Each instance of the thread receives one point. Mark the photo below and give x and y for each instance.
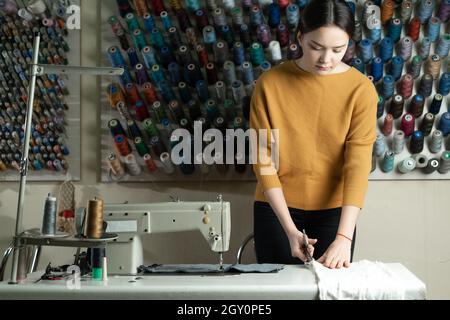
(366, 50)
(396, 106)
(396, 67)
(388, 162)
(132, 166)
(115, 165)
(414, 29)
(387, 11)
(434, 28)
(416, 106)
(115, 127)
(444, 124)
(426, 85)
(386, 49)
(167, 163)
(406, 45)
(407, 124)
(444, 10)
(357, 34)
(444, 166)
(443, 46)
(380, 107)
(398, 141)
(275, 51)
(407, 165)
(444, 84)
(49, 219)
(421, 160)
(427, 123)
(415, 66)
(436, 142)
(424, 48)
(388, 124)
(406, 86)
(202, 90)
(425, 10)
(151, 166)
(395, 29)
(432, 166)
(416, 143)
(94, 221)
(435, 106)
(379, 146)
(122, 145)
(433, 66)
(406, 10)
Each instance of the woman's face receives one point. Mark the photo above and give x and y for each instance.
(323, 49)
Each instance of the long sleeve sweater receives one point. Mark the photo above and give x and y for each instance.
(326, 130)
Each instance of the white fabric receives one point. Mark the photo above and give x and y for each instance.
(363, 280)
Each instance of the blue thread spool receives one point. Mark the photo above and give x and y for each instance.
(395, 30)
(184, 92)
(358, 64)
(166, 56)
(416, 144)
(377, 69)
(375, 35)
(115, 57)
(157, 39)
(149, 23)
(388, 162)
(302, 4)
(126, 76)
(238, 53)
(386, 49)
(132, 22)
(174, 73)
(139, 39)
(247, 73)
(396, 67)
(167, 23)
(443, 46)
(157, 74)
(425, 10)
(444, 84)
(387, 86)
(202, 90)
(132, 57)
(434, 29)
(227, 35)
(292, 15)
(133, 130)
(49, 220)
(166, 91)
(366, 50)
(115, 127)
(212, 111)
(444, 124)
(274, 15)
(149, 57)
(424, 48)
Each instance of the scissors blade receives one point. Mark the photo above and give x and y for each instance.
(305, 247)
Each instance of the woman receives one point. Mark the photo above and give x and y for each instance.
(325, 114)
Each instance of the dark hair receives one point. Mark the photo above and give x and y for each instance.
(321, 13)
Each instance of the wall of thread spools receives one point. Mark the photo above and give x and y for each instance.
(194, 60)
(56, 115)
(407, 59)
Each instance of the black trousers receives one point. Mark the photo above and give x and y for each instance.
(271, 242)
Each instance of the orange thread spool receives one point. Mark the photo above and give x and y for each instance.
(141, 7)
(149, 93)
(388, 124)
(175, 5)
(115, 94)
(387, 11)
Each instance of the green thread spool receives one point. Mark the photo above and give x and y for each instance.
(256, 54)
(156, 39)
(139, 39)
(97, 273)
(140, 146)
(388, 161)
(150, 127)
(159, 111)
(407, 165)
(131, 22)
(230, 113)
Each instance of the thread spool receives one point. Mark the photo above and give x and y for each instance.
(427, 124)
(167, 163)
(398, 141)
(396, 106)
(49, 220)
(407, 124)
(444, 166)
(444, 124)
(132, 166)
(94, 221)
(388, 162)
(115, 165)
(421, 160)
(432, 166)
(97, 255)
(417, 140)
(407, 165)
(380, 146)
(388, 124)
(151, 166)
(436, 142)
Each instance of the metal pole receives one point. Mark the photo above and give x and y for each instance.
(24, 160)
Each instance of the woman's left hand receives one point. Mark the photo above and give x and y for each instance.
(337, 254)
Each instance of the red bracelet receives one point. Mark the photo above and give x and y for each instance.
(340, 234)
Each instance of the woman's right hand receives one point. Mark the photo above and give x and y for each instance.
(296, 242)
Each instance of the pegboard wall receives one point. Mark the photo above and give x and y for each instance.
(198, 60)
(54, 153)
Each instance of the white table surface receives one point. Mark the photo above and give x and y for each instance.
(293, 282)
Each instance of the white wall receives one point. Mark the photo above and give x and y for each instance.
(403, 221)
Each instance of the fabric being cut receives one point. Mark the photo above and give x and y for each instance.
(363, 280)
(211, 268)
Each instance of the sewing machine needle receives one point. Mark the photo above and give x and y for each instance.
(220, 261)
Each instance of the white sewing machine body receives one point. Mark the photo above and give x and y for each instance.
(131, 221)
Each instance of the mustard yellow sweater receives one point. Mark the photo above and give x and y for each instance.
(326, 129)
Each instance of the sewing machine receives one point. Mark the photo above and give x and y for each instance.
(131, 221)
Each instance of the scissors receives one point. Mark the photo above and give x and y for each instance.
(305, 245)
